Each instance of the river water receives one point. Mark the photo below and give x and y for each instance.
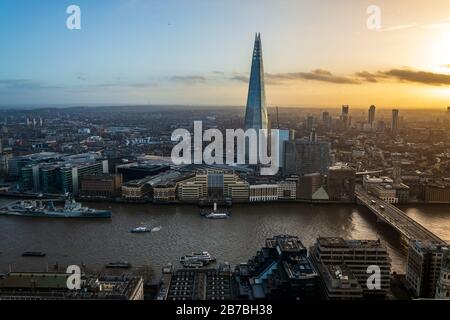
(97, 242)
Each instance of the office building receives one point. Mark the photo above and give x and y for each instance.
(371, 118)
(61, 176)
(436, 191)
(309, 123)
(306, 156)
(213, 185)
(345, 119)
(53, 286)
(326, 120)
(72, 173)
(423, 267)
(136, 170)
(164, 185)
(341, 183)
(16, 164)
(101, 185)
(197, 284)
(308, 185)
(256, 113)
(338, 282)
(284, 135)
(137, 190)
(358, 256)
(394, 124)
(443, 285)
(263, 192)
(287, 189)
(280, 270)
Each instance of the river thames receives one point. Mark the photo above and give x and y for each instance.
(234, 240)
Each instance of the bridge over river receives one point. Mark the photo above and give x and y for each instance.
(399, 220)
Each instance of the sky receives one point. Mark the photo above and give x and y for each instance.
(198, 52)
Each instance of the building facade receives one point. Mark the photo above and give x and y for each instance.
(341, 183)
(256, 113)
(263, 192)
(306, 157)
(423, 267)
(103, 185)
(358, 256)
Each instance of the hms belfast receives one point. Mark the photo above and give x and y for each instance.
(41, 208)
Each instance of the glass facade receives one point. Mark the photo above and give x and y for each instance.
(256, 112)
(215, 186)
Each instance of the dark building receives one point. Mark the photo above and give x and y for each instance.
(437, 191)
(280, 270)
(196, 284)
(306, 156)
(103, 185)
(358, 256)
(308, 185)
(394, 124)
(341, 183)
(137, 171)
(345, 120)
(326, 120)
(53, 286)
(423, 267)
(371, 118)
(338, 282)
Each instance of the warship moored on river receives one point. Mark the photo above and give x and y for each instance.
(42, 208)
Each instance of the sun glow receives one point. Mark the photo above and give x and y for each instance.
(440, 52)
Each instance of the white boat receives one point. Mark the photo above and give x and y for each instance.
(217, 215)
(197, 258)
(214, 214)
(156, 229)
(141, 229)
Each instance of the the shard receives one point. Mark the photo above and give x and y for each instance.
(256, 112)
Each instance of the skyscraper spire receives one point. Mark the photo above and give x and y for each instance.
(256, 112)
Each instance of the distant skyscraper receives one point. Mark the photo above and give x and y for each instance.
(344, 117)
(372, 114)
(395, 121)
(325, 117)
(309, 123)
(283, 135)
(256, 112)
(306, 156)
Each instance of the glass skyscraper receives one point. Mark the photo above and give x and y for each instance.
(256, 112)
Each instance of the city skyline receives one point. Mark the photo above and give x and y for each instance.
(314, 57)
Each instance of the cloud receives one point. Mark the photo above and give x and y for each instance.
(24, 84)
(367, 76)
(315, 75)
(406, 75)
(399, 27)
(126, 84)
(188, 79)
(418, 76)
(240, 78)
